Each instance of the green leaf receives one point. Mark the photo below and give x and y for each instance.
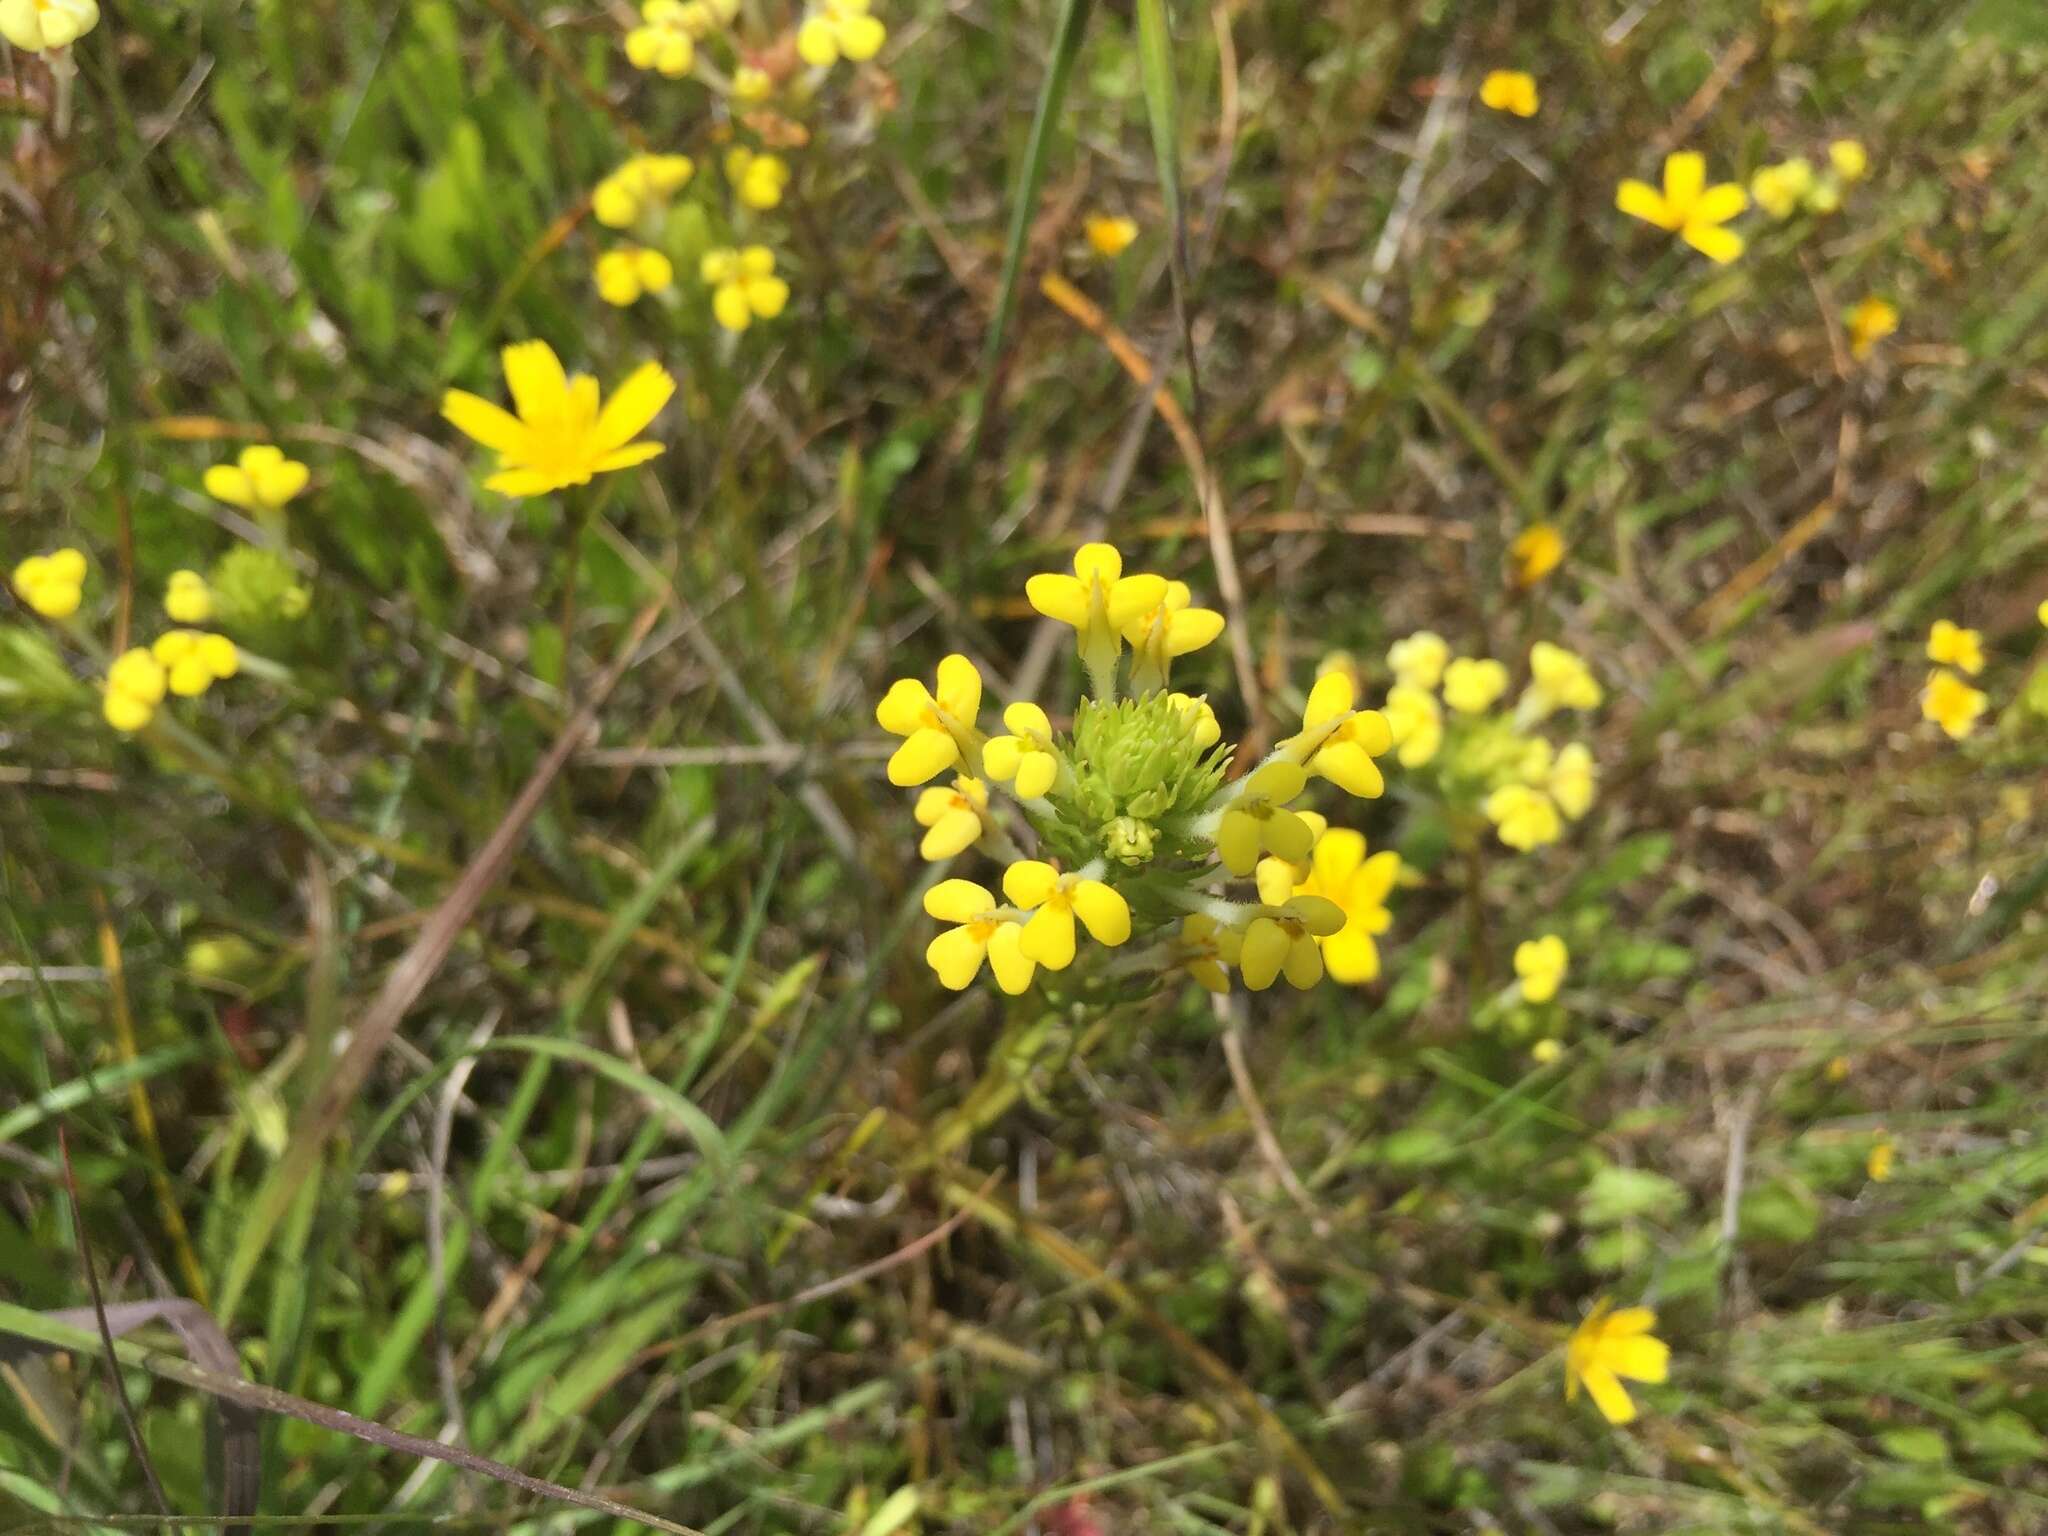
(1615, 1195)
(1916, 1443)
(1162, 112)
(1781, 1211)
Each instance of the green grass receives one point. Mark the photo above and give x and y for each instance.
(685, 1068)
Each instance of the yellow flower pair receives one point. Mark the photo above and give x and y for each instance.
(1036, 929)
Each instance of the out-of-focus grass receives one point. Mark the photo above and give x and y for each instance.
(1800, 922)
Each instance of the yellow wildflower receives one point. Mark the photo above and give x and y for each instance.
(261, 480)
(666, 40)
(193, 662)
(1870, 322)
(1509, 90)
(1571, 780)
(1199, 951)
(135, 686)
(1688, 207)
(1544, 1052)
(744, 285)
(1878, 1165)
(1167, 629)
(1416, 722)
(1558, 679)
(1611, 1345)
(1536, 551)
(757, 178)
(952, 817)
(1849, 158)
(986, 931)
(1780, 189)
(839, 29)
(1024, 758)
(1258, 820)
(1281, 939)
(1952, 704)
(1472, 685)
(1110, 234)
(1950, 645)
(187, 598)
(560, 437)
(1100, 602)
(36, 25)
(1525, 818)
(1054, 900)
(1206, 731)
(626, 272)
(53, 584)
(937, 729)
(1340, 871)
(2041, 613)
(1540, 966)
(638, 185)
(751, 84)
(1339, 742)
(1419, 660)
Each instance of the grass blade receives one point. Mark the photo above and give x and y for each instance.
(1162, 112)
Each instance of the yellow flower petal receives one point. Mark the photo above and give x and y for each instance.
(473, 416)
(633, 405)
(958, 901)
(1640, 200)
(540, 389)
(1713, 242)
(1058, 597)
(1685, 175)
(1006, 958)
(905, 708)
(1608, 1395)
(1103, 911)
(956, 956)
(1036, 775)
(1028, 882)
(925, 754)
(1049, 937)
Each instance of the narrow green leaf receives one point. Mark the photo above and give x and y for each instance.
(1162, 111)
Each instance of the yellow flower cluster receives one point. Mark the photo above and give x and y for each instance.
(1947, 700)
(53, 584)
(1789, 186)
(1125, 825)
(669, 31)
(839, 29)
(262, 480)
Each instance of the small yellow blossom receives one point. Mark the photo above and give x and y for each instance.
(1024, 758)
(1837, 1069)
(1339, 742)
(1054, 900)
(1849, 158)
(261, 480)
(1340, 871)
(53, 584)
(1419, 660)
(1878, 1165)
(36, 25)
(187, 598)
(1471, 685)
(744, 287)
(1110, 235)
(1206, 731)
(1416, 722)
(1952, 704)
(1870, 322)
(1950, 645)
(1780, 189)
(757, 179)
(1525, 817)
(1536, 551)
(1540, 966)
(1199, 951)
(135, 686)
(626, 272)
(1167, 629)
(561, 436)
(1283, 937)
(752, 84)
(1258, 820)
(666, 40)
(1688, 207)
(1558, 679)
(1609, 1346)
(1544, 1052)
(2041, 613)
(1572, 779)
(839, 29)
(986, 931)
(193, 662)
(1509, 90)
(1099, 602)
(937, 728)
(639, 185)
(952, 817)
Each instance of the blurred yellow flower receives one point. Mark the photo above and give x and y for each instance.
(1199, 951)
(1024, 758)
(937, 728)
(193, 661)
(744, 287)
(665, 42)
(1339, 742)
(1509, 90)
(1526, 818)
(1878, 1165)
(1258, 820)
(1415, 721)
(1110, 234)
(757, 178)
(261, 480)
(1540, 966)
(1950, 645)
(1952, 704)
(1282, 939)
(1472, 685)
(985, 932)
(952, 817)
(1340, 872)
(1688, 207)
(1558, 679)
(53, 584)
(135, 686)
(1571, 780)
(1419, 660)
(626, 272)
(751, 84)
(560, 436)
(1169, 628)
(1869, 323)
(36, 25)
(1609, 1346)
(1780, 189)
(1544, 1052)
(1054, 900)
(1849, 158)
(839, 29)
(637, 186)
(1536, 552)
(187, 599)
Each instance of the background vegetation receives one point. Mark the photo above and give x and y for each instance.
(600, 1209)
